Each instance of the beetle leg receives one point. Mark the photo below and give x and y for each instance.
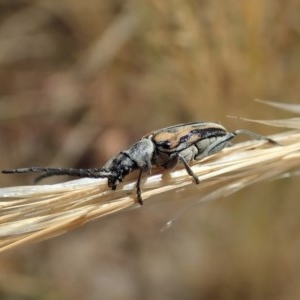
(189, 170)
(254, 135)
(216, 146)
(224, 141)
(138, 187)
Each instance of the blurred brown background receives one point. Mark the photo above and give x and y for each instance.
(81, 80)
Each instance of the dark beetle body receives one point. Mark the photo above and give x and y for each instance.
(162, 148)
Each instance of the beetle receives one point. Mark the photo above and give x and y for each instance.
(164, 147)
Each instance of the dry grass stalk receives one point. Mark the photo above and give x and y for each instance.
(34, 213)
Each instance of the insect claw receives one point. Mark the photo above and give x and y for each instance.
(197, 180)
(139, 197)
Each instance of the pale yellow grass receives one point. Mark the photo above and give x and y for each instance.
(34, 213)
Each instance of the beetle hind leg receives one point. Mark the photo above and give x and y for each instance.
(217, 145)
(224, 141)
(254, 135)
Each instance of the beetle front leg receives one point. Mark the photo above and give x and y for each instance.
(138, 188)
(146, 168)
(143, 167)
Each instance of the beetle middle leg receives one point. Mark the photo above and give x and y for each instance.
(188, 169)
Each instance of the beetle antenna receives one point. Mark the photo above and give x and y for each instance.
(47, 172)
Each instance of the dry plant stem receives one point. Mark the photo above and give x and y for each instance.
(33, 213)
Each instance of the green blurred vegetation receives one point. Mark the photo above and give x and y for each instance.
(81, 80)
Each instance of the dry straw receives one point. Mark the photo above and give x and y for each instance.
(35, 213)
